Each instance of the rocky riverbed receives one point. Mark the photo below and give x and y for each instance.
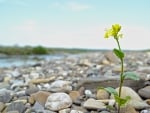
(71, 84)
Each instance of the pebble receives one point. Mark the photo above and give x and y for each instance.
(40, 97)
(58, 101)
(70, 84)
(135, 100)
(60, 86)
(102, 94)
(93, 104)
(16, 106)
(145, 92)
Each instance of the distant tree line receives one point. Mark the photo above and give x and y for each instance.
(15, 50)
(29, 50)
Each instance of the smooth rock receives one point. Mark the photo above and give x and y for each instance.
(60, 86)
(1, 78)
(2, 106)
(34, 75)
(74, 95)
(144, 69)
(5, 97)
(111, 57)
(20, 93)
(128, 109)
(135, 100)
(24, 101)
(145, 111)
(145, 92)
(37, 106)
(40, 96)
(7, 79)
(65, 111)
(104, 112)
(17, 83)
(42, 80)
(93, 104)
(75, 111)
(88, 93)
(4, 85)
(78, 108)
(16, 106)
(13, 112)
(58, 101)
(147, 77)
(105, 62)
(15, 73)
(93, 83)
(117, 69)
(102, 94)
(31, 90)
(85, 62)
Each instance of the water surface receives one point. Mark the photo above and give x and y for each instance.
(20, 60)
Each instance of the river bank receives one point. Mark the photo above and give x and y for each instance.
(70, 84)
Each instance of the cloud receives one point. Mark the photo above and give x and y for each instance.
(73, 6)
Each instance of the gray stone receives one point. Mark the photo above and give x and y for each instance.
(93, 83)
(144, 69)
(4, 85)
(16, 106)
(93, 104)
(37, 106)
(15, 73)
(5, 97)
(58, 101)
(1, 78)
(20, 93)
(60, 86)
(12, 112)
(88, 93)
(145, 111)
(31, 90)
(111, 57)
(145, 92)
(135, 100)
(17, 83)
(104, 112)
(76, 111)
(65, 110)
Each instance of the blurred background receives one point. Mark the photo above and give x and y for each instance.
(33, 27)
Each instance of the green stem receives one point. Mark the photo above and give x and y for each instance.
(121, 74)
(118, 43)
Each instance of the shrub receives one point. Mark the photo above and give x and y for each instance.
(39, 50)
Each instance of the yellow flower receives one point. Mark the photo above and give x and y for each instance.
(116, 28)
(113, 32)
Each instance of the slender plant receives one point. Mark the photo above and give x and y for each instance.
(114, 32)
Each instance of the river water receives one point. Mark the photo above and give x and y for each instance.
(9, 61)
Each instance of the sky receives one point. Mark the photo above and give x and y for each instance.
(74, 23)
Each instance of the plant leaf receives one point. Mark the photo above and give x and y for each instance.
(111, 90)
(122, 101)
(131, 75)
(118, 53)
